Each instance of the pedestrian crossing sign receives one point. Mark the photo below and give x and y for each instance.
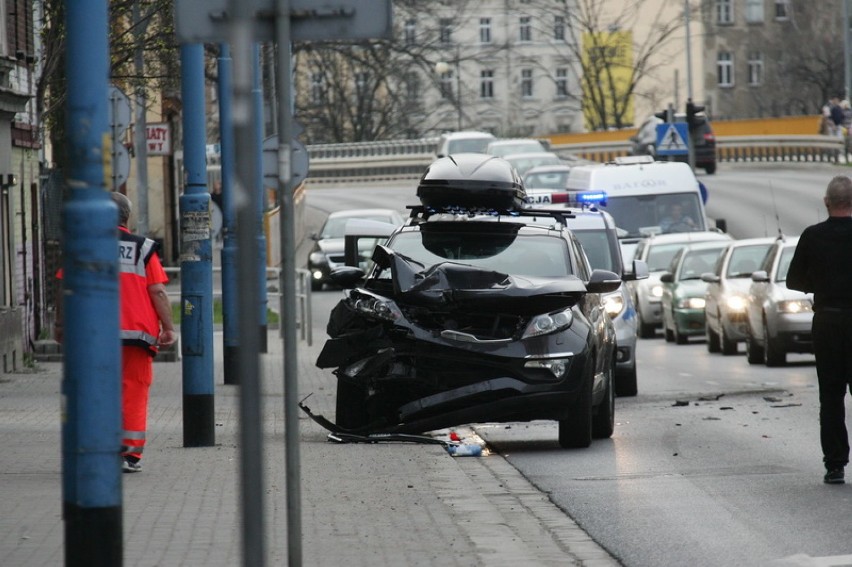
(672, 139)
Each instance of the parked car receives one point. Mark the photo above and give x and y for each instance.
(727, 293)
(327, 252)
(526, 161)
(702, 138)
(779, 318)
(598, 234)
(658, 251)
(683, 290)
(463, 142)
(467, 318)
(506, 146)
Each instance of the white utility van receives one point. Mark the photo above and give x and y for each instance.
(644, 196)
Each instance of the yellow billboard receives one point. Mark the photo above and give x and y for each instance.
(608, 79)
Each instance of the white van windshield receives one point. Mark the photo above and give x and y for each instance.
(644, 215)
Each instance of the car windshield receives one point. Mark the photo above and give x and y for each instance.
(524, 255)
(642, 215)
(596, 245)
(527, 163)
(660, 256)
(546, 180)
(784, 263)
(516, 148)
(335, 227)
(697, 262)
(475, 145)
(746, 259)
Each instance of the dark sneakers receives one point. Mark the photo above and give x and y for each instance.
(131, 465)
(834, 476)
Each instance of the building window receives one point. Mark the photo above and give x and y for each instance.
(446, 85)
(412, 87)
(525, 29)
(410, 32)
(361, 80)
(526, 83)
(484, 30)
(561, 82)
(724, 12)
(317, 88)
(559, 28)
(725, 69)
(755, 68)
(782, 9)
(486, 84)
(754, 11)
(446, 30)
(7, 252)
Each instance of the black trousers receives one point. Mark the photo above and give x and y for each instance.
(832, 335)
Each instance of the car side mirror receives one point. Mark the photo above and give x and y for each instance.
(315, 236)
(710, 277)
(640, 271)
(346, 277)
(721, 225)
(760, 276)
(667, 277)
(603, 281)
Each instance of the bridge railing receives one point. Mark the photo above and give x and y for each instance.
(407, 159)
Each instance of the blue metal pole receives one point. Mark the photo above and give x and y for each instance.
(230, 327)
(196, 260)
(257, 101)
(91, 383)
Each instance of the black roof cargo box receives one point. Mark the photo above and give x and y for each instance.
(471, 181)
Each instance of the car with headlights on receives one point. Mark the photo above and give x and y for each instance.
(657, 251)
(327, 251)
(683, 290)
(779, 318)
(475, 310)
(727, 293)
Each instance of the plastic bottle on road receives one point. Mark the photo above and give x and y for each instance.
(464, 450)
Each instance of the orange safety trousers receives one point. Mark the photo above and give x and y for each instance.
(136, 376)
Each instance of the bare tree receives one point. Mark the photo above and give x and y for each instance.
(610, 58)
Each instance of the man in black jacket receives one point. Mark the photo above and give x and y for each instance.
(822, 264)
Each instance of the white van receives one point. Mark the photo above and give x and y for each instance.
(644, 196)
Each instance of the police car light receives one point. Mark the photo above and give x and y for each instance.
(559, 197)
(595, 197)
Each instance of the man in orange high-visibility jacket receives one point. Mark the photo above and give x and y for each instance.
(146, 324)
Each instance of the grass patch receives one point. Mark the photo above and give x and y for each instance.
(218, 318)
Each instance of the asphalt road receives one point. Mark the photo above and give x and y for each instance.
(715, 462)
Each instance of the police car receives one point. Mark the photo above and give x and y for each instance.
(475, 310)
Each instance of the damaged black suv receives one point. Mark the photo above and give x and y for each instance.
(476, 310)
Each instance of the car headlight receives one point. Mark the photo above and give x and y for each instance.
(548, 323)
(614, 304)
(691, 303)
(736, 303)
(657, 291)
(795, 306)
(317, 258)
(373, 306)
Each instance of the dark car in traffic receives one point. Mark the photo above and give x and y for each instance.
(475, 310)
(701, 136)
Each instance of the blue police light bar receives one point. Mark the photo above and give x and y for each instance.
(592, 197)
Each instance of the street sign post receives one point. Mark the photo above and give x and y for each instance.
(672, 139)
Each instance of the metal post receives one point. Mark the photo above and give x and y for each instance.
(257, 97)
(196, 260)
(847, 45)
(91, 382)
(288, 288)
(458, 86)
(251, 430)
(689, 141)
(670, 118)
(230, 334)
(140, 136)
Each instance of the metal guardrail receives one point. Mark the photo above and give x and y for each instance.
(406, 159)
(303, 298)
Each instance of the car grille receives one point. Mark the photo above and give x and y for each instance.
(336, 258)
(484, 326)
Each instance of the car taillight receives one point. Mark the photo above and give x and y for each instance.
(709, 138)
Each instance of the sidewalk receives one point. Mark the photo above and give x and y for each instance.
(362, 504)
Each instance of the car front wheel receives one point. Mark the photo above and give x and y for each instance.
(712, 339)
(773, 354)
(575, 432)
(351, 407)
(603, 423)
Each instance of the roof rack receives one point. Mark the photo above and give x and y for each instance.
(422, 213)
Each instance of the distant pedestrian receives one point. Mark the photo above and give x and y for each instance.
(836, 116)
(145, 323)
(822, 265)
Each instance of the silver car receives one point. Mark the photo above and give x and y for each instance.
(726, 297)
(779, 319)
(657, 252)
